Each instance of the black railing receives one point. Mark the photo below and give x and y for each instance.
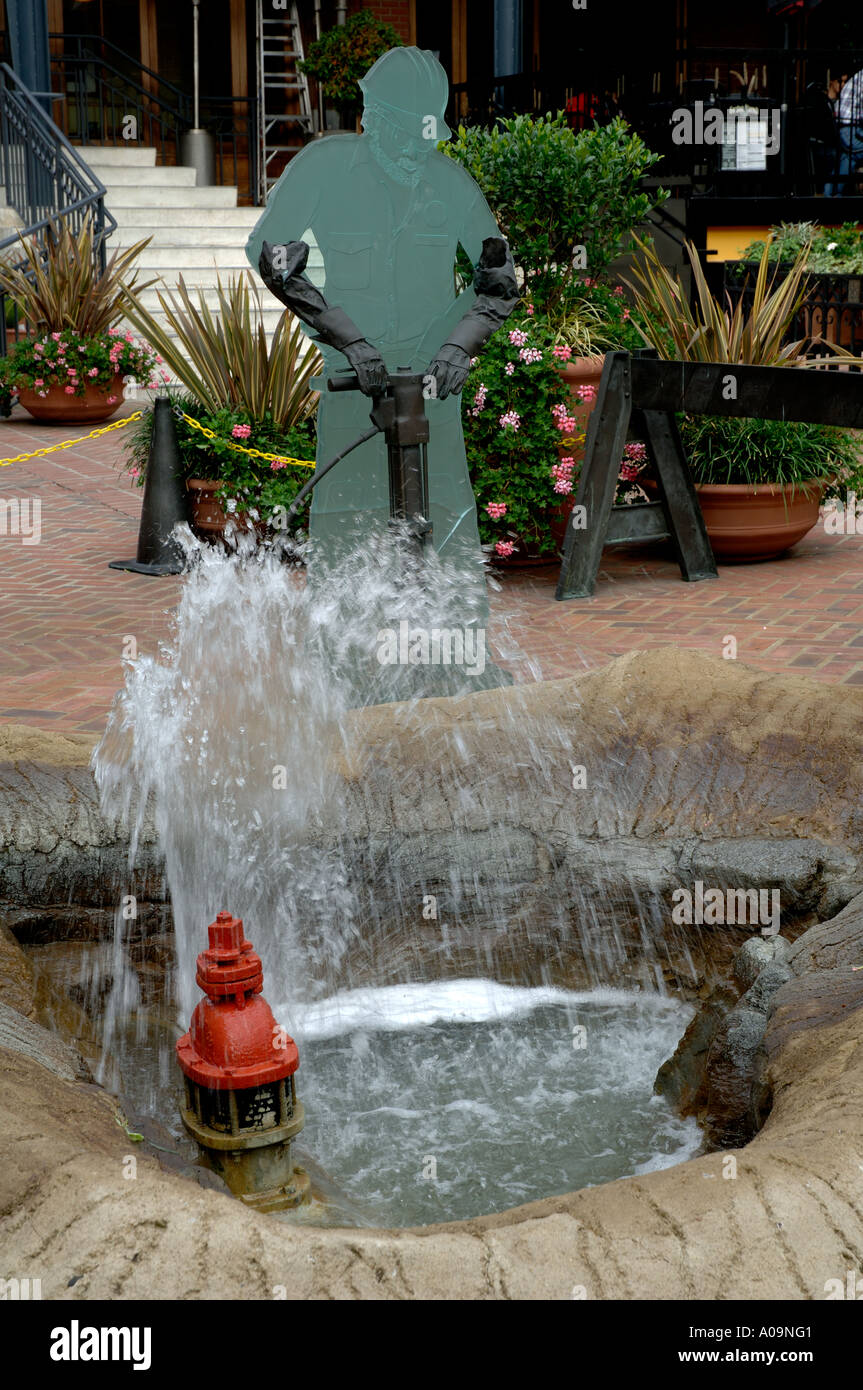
(45, 181)
(110, 98)
(832, 310)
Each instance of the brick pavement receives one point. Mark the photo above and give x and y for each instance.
(64, 614)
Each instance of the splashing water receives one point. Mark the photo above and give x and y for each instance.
(231, 739)
(230, 747)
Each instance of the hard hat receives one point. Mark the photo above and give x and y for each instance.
(408, 85)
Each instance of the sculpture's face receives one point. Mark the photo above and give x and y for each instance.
(400, 155)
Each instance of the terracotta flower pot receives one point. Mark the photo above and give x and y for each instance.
(748, 522)
(209, 517)
(582, 371)
(90, 408)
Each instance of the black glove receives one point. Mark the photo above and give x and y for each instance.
(370, 367)
(496, 296)
(450, 370)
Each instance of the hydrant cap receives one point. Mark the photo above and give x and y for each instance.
(230, 966)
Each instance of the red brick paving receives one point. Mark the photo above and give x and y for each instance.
(64, 614)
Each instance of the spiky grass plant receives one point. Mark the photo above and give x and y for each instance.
(57, 284)
(223, 358)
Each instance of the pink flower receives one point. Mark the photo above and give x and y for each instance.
(94, 371)
(618, 290)
(510, 420)
(518, 337)
(496, 510)
(637, 452)
(82, 348)
(509, 368)
(530, 310)
(587, 394)
(563, 352)
(70, 390)
(111, 399)
(629, 472)
(165, 376)
(505, 548)
(479, 398)
(278, 463)
(530, 355)
(625, 315)
(567, 462)
(135, 472)
(564, 422)
(563, 485)
(241, 431)
(71, 371)
(56, 337)
(159, 359)
(37, 381)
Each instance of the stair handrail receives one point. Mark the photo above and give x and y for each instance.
(45, 177)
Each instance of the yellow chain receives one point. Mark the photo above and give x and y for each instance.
(254, 453)
(68, 443)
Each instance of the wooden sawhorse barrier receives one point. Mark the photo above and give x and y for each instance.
(642, 394)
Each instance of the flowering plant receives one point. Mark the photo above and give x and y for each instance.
(248, 483)
(73, 362)
(517, 424)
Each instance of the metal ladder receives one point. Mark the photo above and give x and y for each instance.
(285, 119)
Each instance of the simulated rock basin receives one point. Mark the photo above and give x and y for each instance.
(698, 769)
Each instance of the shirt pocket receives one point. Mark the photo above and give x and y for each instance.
(348, 260)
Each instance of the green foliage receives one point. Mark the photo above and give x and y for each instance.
(831, 250)
(341, 56)
(753, 334)
(68, 360)
(250, 482)
(552, 190)
(59, 286)
(723, 449)
(512, 466)
(224, 359)
(598, 319)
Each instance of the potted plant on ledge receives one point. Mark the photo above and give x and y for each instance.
(73, 366)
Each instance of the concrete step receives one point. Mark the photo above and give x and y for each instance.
(201, 235)
(157, 176)
(125, 155)
(204, 219)
(119, 198)
(204, 258)
(149, 300)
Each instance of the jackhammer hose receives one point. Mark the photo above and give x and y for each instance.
(321, 472)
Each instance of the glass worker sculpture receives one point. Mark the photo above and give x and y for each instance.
(388, 211)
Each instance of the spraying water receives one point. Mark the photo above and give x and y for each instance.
(234, 739)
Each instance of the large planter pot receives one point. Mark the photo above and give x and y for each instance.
(208, 517)
(582, 371)
(746, 522)
(90, 408)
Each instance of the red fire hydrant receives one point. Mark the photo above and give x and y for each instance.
(238, 1064)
